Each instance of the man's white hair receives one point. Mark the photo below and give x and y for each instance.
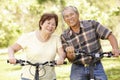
(70, 7)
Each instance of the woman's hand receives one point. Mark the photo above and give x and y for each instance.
(11, 51)
(12, 60)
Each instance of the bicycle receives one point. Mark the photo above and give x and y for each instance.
(90, 60)
(38, 66)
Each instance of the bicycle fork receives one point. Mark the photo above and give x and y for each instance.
(36, 72)
(92, 77)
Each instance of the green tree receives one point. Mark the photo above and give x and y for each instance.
(21, 16)
(16, 17)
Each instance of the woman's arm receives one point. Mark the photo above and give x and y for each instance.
(11, 51)
(61, 55)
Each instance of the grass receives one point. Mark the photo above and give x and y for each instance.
(112, 68)
(11, 72)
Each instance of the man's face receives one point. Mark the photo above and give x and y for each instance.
(71, 17)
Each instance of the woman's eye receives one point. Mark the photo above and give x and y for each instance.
(53, 24)
(48, 23)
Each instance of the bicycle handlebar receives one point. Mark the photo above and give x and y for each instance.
(24, 62)
(37, 65)
(95, 55)
(104, 54)
(86, 58)
(107, 54)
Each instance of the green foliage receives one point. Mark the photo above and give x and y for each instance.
(36, 9)
(16, 17)
(116, 12)
(8, 34)
(19, 16)
(41, 1)
(112, 68)
(44, 1)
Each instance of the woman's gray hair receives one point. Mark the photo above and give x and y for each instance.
(70, 7)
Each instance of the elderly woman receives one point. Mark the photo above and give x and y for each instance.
(40, 46)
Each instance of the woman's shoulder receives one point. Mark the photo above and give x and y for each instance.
(28, 35)
(55, 36)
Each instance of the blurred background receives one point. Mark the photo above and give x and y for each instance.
(22, 16)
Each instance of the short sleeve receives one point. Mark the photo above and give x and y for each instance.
(59, 44)
(101, 30)
(22, 40)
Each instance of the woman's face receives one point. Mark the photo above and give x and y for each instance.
(49, 26)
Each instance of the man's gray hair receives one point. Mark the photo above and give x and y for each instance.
(71, 7)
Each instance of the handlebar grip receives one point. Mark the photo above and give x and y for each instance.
(108, 54)
(7, 61)
(17, 61)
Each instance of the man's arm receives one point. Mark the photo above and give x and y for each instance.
(114, 44)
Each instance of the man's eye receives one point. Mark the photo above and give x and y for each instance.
(66, 16)
(71, 14)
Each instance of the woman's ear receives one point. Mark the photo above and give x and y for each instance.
(40, 24)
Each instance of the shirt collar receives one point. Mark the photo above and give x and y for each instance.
(70, 30)
(81, 24)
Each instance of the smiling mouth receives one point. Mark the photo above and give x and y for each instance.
(50, 30)
(71, 21)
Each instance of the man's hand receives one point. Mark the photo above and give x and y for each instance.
(70, 53)
(116, 52)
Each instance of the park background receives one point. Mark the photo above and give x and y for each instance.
(21, 16)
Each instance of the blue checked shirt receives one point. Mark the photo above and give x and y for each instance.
(88, 39)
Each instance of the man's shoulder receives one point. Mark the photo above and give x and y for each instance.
(87, 21)
(66, 31)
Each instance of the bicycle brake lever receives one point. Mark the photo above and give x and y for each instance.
(108, 54)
